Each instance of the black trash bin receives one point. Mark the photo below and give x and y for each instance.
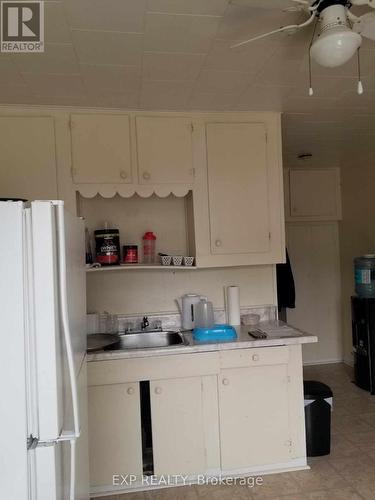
(318, 404)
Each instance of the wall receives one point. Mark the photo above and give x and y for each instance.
(357, 229)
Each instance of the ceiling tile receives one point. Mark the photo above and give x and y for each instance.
(162, 66)
(179, 33)
(210, 81)
(207, 7)
(282, 72)
(57, 58)
(114, 99)
(218, 101)
(250, 58)
(8, 70)
(57, 29)
(54, 85)
(119, 78)
(112, 15)
(267, 98)
(167, 95)
(99, 47)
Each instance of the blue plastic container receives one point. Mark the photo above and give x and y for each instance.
(216, 334)
(364, 271)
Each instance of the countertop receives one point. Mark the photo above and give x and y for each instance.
(278, 333)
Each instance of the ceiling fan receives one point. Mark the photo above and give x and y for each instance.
(340, 31)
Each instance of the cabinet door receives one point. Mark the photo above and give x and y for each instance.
(238, 188)
(28, 161)
(179, 416)
(115, 443)
(101, 149)
(315, 194)
(254, 416)
(164, 149)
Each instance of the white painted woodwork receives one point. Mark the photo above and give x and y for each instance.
(315, 259)
(164, 150)
(115, 441)
(238, 194)
(28, 157)
(101, 151)
(238, 188)
(178, 426)
(314, 194)
(254, 416)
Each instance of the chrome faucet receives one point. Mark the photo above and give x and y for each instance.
(145, 323)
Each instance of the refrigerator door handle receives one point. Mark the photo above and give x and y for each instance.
(34, 442)
(68, 341)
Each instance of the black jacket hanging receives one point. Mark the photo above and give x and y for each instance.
(286, 293)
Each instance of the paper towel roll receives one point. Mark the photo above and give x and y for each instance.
(233, 305)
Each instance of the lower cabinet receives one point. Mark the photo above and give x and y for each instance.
(254, 416)
(238, 410)
(115, 438)
(182, 410)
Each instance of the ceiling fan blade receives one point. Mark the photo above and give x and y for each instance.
(269, 4)
(365, 25)
(292, 28)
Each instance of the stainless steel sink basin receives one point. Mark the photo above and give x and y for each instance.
(147, 340)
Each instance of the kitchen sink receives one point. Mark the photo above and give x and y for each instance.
(147, 340)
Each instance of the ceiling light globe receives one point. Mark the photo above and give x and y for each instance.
(335, 47)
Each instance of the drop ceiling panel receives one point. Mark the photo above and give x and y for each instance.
(105, 47)
(206, 7)
(105, 77)
(58, 58)
(169, 66)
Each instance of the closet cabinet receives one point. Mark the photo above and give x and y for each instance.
(240, 193)
(101, 149)
(313, 194)
(164, 150)
(28, 157)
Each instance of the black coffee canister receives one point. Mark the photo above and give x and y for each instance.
(107, 245)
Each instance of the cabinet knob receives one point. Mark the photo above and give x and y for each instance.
(158, 390)
(225, 381)
(255, 357)
(123, 174)
(218, 243)
(130, 391)
(146, 176)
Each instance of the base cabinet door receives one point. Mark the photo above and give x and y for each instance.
(180, 430)
(115, 442)
(253, 412)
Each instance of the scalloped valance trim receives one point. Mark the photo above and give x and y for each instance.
(109, 191)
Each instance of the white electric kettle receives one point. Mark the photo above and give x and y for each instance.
(186, 308)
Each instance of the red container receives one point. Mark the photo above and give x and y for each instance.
(107, 245)
(130, 254)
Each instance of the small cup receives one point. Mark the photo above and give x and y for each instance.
(166, 260)
(188, 261)
(177, 260)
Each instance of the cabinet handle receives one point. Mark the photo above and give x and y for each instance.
(123, 174)
(218, 243)
(225, 381)
(130, 391)
(158, 390)
(255, 357)
(146, 176)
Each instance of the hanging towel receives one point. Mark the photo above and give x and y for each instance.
(286, 293)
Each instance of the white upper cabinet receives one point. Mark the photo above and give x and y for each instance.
(237, 187)
(243, 194)
(164, 150)
(28, 157)
(313, 194)
(101, 151)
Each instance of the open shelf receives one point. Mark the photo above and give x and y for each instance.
(128, 267)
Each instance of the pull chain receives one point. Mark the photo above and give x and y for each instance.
(359, 85)
(311, 90)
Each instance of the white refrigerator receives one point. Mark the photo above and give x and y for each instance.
(43, 398)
